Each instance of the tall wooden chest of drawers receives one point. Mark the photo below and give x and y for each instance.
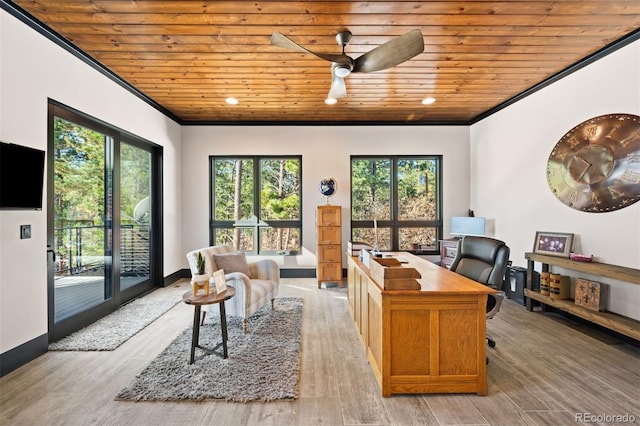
(329, 244)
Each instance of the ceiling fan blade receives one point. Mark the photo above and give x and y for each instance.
(338, 87)
(391, 53)
(277, 39)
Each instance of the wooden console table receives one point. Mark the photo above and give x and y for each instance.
(618, 323)
(430, 340)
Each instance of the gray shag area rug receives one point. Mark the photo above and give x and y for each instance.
(263, 365)
(109, 332)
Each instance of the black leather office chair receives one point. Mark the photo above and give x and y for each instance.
(484, 260)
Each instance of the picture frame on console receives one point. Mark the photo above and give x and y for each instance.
(553, 243)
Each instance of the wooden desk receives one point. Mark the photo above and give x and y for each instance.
(209, 299)
(430, 340)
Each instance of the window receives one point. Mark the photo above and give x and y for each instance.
(396, 202)
(257, 203)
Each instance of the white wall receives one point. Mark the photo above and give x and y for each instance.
(326, 152)
(32, 69)
(509, 152)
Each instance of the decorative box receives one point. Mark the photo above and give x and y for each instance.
(544, 283)
(589, 294)
(559, 286)
(389, 273)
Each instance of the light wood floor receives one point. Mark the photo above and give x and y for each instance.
(545, 370)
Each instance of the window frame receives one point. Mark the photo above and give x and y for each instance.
(394, 224)
(257, 208)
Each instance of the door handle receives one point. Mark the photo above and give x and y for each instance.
(53, 252)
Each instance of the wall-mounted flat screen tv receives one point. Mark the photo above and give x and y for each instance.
(463, 225)
(21, 177)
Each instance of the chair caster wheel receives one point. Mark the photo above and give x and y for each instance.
(492, 344)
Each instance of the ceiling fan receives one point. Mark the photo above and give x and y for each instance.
(387, 55)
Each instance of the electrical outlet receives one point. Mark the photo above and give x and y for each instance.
(25, 232)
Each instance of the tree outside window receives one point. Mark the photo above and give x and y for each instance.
(256, 203)
(395, 202)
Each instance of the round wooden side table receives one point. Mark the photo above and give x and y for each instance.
(198, 302)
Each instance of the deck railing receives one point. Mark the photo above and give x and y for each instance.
(82, 250)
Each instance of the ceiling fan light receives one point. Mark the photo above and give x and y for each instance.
(428, 101)
(331, 101)
(342, 70)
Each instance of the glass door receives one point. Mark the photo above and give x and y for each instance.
(103, 244)
(136, 214)
(82, 231)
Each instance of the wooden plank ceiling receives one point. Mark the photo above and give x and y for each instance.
(189, 56)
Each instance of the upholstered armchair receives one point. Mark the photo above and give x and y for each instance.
(256, 283)
(484, 260)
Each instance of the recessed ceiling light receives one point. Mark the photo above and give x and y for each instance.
(231, 101)
(428, 101)
(330, 101)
